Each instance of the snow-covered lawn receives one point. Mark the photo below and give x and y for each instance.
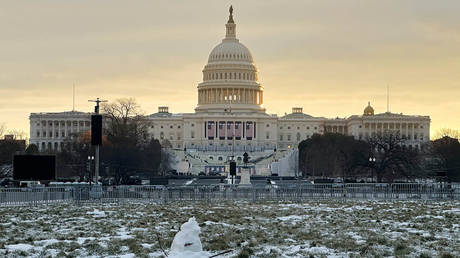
(272, 229)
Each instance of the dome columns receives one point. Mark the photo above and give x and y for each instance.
(230, 95)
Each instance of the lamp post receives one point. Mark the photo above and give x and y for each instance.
(372, 165)
(89, 168)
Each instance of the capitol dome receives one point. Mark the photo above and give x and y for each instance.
(230, 78)
(230, 50)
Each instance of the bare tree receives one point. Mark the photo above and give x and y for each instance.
(393, 159)
(125, 120)
(17, 134)
(449, 132)
(121, 110)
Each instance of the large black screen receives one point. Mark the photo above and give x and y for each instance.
(34, 167)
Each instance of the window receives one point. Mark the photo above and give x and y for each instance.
(289, 127)
(56, 134)
(63, 134)
(178, 126)
(192, 134)
(268, 125)
(289, 137)
(298, 136)
(298, 128)
(281, 137)
(193, 125)
(308, 127)
(267, 136)
(161, 127)
(171, 127)
(315, 127)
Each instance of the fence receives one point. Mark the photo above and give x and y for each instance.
(294, 192)
(35, 195)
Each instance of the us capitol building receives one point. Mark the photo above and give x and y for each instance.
(230, 119)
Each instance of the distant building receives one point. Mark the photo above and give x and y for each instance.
(230, 117)
(49, 130)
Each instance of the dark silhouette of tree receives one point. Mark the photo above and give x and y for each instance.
(332, 155)
(131, 151)
(393, 159)
(447, 149)
(32, 149)
(8, 147)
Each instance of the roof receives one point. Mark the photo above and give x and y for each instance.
(297, 116)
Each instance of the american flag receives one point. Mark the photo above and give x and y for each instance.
(238, 131)
(211, 129)
(222, 130)
(230, 130)
(249, 130)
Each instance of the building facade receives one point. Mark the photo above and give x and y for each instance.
(49, 130)
(230, 118)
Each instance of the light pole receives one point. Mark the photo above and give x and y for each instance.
(98, 142)
(372, 165)
(89, 168)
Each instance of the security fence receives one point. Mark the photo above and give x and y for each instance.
(35, 195)
(294, 192)
(291, 192)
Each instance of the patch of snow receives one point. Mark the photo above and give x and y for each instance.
(96, 213)
(19, 247)
(291, 217)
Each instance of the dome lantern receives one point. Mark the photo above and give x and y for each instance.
(231, 26)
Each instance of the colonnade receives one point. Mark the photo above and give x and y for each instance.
(230, 95)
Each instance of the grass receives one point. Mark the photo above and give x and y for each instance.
(266, 229)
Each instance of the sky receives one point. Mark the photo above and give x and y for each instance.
(329, 57)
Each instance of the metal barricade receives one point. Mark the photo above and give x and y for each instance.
(210, 193)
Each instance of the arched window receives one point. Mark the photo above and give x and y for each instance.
(239, 76)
